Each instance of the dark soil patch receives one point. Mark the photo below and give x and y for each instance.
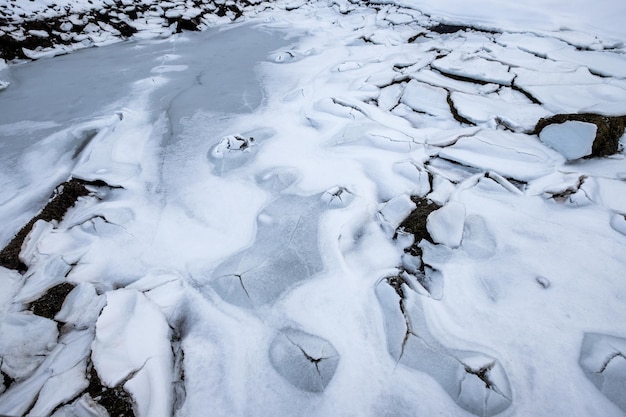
(49, 304)
(610, 130)
(444, 29)
(415, 223)
(116, 400)
(8, 381)
(64, 197)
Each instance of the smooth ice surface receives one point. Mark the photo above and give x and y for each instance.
(572, 139)
(306, 361)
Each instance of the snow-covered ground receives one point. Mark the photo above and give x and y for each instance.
(322, 209)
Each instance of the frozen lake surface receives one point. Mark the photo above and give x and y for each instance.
(331, 210)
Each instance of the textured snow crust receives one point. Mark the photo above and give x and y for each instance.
(333, 209)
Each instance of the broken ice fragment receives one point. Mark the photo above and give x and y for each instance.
(476, 382)
(445, 225)
(337, 197)
(618, 223)
(394, 212)
(603, 359)
(230, 144)
(572, 139)
(306, 361)
(132, 348)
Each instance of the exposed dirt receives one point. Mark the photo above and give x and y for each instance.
(116, 400)
(610, 130)
(415, 223)
(444, 29)
(49, 304)
(64, 197)
(114, 17)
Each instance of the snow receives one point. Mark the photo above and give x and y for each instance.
(132, 348)
(572, 139)
(445, 225)
(240, 250)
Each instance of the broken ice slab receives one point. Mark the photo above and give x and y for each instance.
(234, 151)
(445, 225)
(132, 348)
(514, 113)
(285, 252)
(603, 359)
(476, 382)
(511, 155)
(478, 70)
(572, 139)
(71, 352)
(25, 341)
(393, 212)
(306, 361)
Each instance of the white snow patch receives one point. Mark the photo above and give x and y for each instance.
(573, 139)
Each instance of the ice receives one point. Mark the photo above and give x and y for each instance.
(618, 222)
(71, 352)
(132, 348)
(427, 99)
(395, 211)
(508, 154)
(257, 277)
(25, 340)
(603, 358)
(284, 252)
(474, 68)
(445, 225)
(306, 361)
(477, 382)
(84, 406)
(517, 115)
(572, 139)
(81, 307)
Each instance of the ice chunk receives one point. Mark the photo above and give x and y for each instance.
(25, 340)
(618, 223)
(60, 388)
(81, 307)
(517, 115)
(71, 352)
(394, 212)
(479, 69)
(573, 139)
(230, 144)
(427, 99)
(4, 84)
(476, 382)
(445, 225)
(603, 358)
(84, 406)
(484, 388)
(308, 362)
(132, 346)
(511, 155)
(337, 197)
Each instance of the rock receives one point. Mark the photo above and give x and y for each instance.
(609, 131)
